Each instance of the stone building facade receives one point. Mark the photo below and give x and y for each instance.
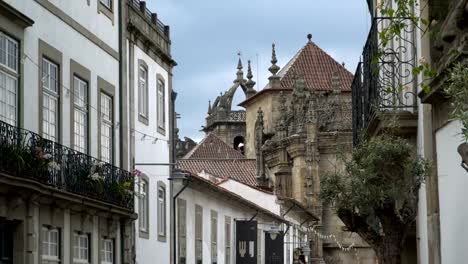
(297, 128)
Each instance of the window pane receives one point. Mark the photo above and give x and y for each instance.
(8, 98)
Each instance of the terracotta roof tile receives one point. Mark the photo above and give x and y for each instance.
(212, 147)
(317, 67)
(241, 170)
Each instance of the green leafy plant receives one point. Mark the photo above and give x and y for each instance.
(457, 89)
(377, 194)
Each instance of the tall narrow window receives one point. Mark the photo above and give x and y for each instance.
(107, 251)
(161, 211)
(143, 206)
(50, 99)
(182, 230)
(106, 128)
(81, 250)
(198, 234)
(107, 3)
(9, 75)
(227, 236)
(161, 106)
(143, 92)
(214, 237)
(81, 115)
(50, 245)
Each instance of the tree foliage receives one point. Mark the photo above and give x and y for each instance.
(377, 194)
(457, 89)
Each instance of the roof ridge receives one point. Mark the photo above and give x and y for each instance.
(329, 56)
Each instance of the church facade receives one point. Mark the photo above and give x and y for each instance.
(297, 128)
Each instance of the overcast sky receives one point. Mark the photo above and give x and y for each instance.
(207, 35)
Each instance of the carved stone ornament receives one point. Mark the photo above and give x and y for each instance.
(259, 140)
(463, 151)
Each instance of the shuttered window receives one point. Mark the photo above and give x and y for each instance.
(182, 230)
(198, 234)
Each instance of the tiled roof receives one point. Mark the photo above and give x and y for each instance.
(237, 198)
(213, 148)
(318, 68)
(241, 170)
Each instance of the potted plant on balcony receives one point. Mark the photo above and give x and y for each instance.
(457, 90)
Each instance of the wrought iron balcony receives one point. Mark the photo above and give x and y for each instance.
(384, 81)
(27, 155)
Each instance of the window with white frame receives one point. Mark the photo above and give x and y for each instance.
(50, 99)
(227, 236)
(107, 3)
(161, 106)
(80, 115)
(198, 234)
(161, 210)
(182, 230)
(81, 249)
(214, 237)
(50, 245)
(143, 206)
(106, 128)
(107, 251)
(143, 91)
(9, 75)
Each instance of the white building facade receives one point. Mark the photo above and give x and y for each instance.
(60, 113)
(149, 77)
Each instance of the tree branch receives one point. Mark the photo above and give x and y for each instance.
(358, 224)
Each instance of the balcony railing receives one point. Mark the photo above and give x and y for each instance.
(149, 16)
(384, 80)
(27, 155)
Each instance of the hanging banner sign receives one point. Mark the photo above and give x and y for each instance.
(246, 242)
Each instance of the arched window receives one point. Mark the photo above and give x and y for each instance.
(239, 143)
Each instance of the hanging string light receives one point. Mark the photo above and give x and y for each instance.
(338, 243)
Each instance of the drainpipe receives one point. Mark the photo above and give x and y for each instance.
(174, 213)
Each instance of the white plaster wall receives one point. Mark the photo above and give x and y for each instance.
(452, 195)
(74, 46)
(223, 207)
(146, 151)
(262, 199)
(87, 16)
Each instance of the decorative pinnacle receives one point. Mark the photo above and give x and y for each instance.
(250, 83)
(273, 68)
(249, 71)
(309, 37)
(240, 73)
(209, 107)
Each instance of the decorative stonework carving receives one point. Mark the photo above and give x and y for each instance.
(220, 111)
(452, 40)
(463, 151)
(259, 140)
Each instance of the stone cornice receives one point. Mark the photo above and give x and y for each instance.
(140, 29)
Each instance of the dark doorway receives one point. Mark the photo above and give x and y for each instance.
(246, 242)
(239, 143)
(274, 248)
(6, 242)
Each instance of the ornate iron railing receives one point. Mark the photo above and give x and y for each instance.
(384, 80)
(27, 155)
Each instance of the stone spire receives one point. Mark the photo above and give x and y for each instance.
(273, 68)
(209, 107)
(240, 73)
(274, 78)
(250, 91)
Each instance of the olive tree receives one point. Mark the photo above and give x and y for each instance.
(376, 195)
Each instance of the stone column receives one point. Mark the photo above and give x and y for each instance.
(67, 236)
(32, 233)
(297, 151)
(95, 240)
